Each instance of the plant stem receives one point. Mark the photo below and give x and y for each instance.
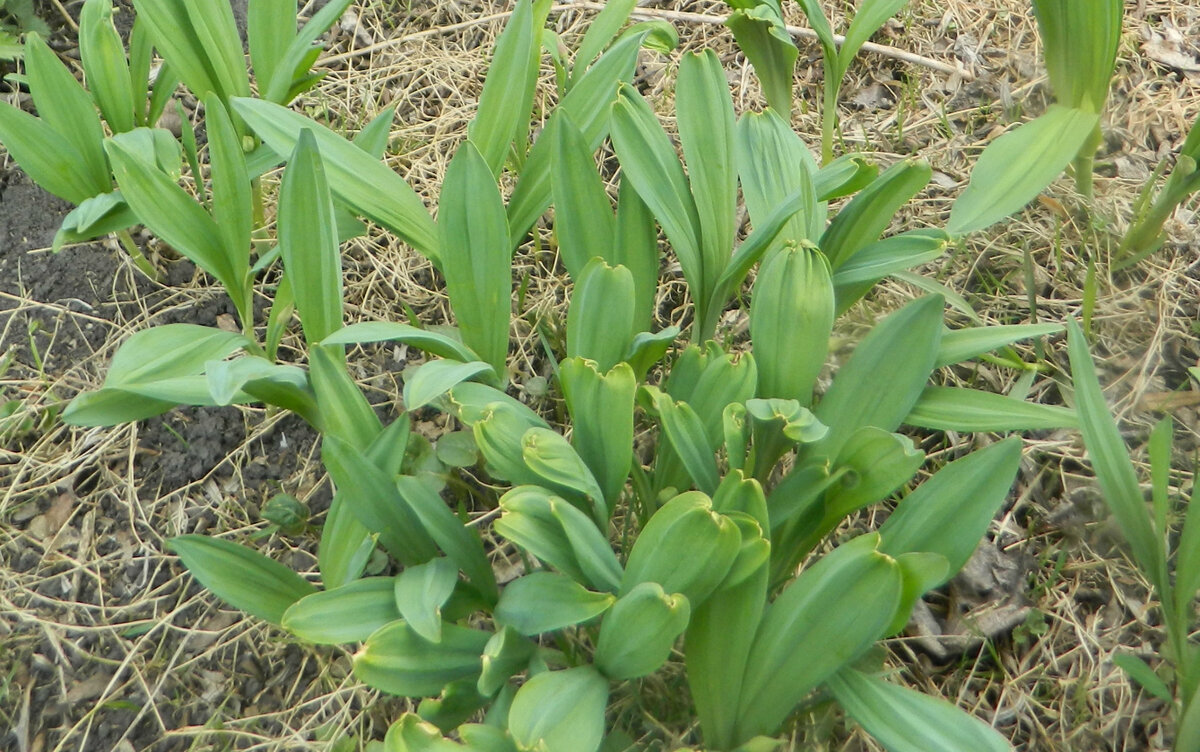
(140, 261)
(828, 115)
(1084, 164)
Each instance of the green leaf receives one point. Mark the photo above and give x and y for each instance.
(355, 177)
(762, 36)
(397, 660)
(95, 217)
(601, 409)
(664, 551)
(47, 157)
(105, 66)
(1187, 557)
(635, 246)
(435, 378)
(773, 163)
(879, 463)
(556, 465)
(477, 255)
(1016, 167)
(457, 449)
(374, 499)
(66, 108)
(903, 346)
(289, 79)
(1080, 41)
(868, 214)
(950, 512)
(869, 18)
(346, 545)
(885, 257)
(546, 602)
(844, 176)
(583, 219)
(1140, 672)
(560, 711)
(600, 32)
(430, 341)
(507, 96)
(420, 592)
(951, 409)
(1114, 470)
(507, 653)
(791, 319)
(243, 578)
(232, 203)
(411, 734)
(600, 317)
(345, 412)
(959, 345)
(559, 534)
(904, 720)
(687, 436)
(169, 351)
(270, 28)
(309, 243)
(704, 115)
(639, 631)
(346, 614)
(821, 622)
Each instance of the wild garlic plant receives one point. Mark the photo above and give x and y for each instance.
(745, 461)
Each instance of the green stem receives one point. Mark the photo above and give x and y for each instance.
(1085, 164)
(135, 253)
(829, 114)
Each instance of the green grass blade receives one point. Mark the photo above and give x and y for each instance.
(308, 241)
(360, 181)
(215, 33)
(601, 31)
(960, 345)
(169, 26)
(289, 76)
(1110, 460)
(477, 261)
(965, 410)
(1016, 167)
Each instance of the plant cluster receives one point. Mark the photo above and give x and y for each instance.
(715, 552)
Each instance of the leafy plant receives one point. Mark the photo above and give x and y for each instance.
(1145, 234)
(1168, 559)
(1081, 41)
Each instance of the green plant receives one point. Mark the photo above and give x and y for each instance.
(16, 18)
(1081, 41)
(1145, 235)
(741, 462)
(1169, 559)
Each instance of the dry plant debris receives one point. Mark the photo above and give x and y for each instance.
(105, 644)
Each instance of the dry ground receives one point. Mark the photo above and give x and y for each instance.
(108, 645)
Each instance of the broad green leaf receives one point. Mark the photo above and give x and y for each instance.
(950, 512)
(309, 243)
(507, 653)
(168, 25)
(230, 381)
(397, 660)
(664, 552)
(1187, 557)
(903, 346)
(601, 408)
(459, 542)
(600, 317)
(821, 622)
(345, 412)
(420, 592)
(969, 410)
(844, 176)
(687, 436)
(168, 351)
(546, 602)
(242, 577)
(507, 96)
(457, 449)
(412, 734)
(559, 534)
(649, 348)
(922, 571)
(232, 203)
(587, 104)
(435, 378)
(635, 246)
(213, 33)
(66, 108)
(373, 138)
(959, 345)
(704, 115)
(878, 463)
(372, 496)
(113, 406)
(638, 632)
(360, 181)
(346, 545)
(95, 217)
(1080, 42)
(868, 214)
(583, 219)
(270, 28)
(773, 163)
(346, 614)
(477, 256)
(556, 465)
(1016, 167)
(434, 343)
(762, 36)
(791, 320)
(905, 720)
(47, 157)
(105, 66)
(560, 711)
(1114, 470)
